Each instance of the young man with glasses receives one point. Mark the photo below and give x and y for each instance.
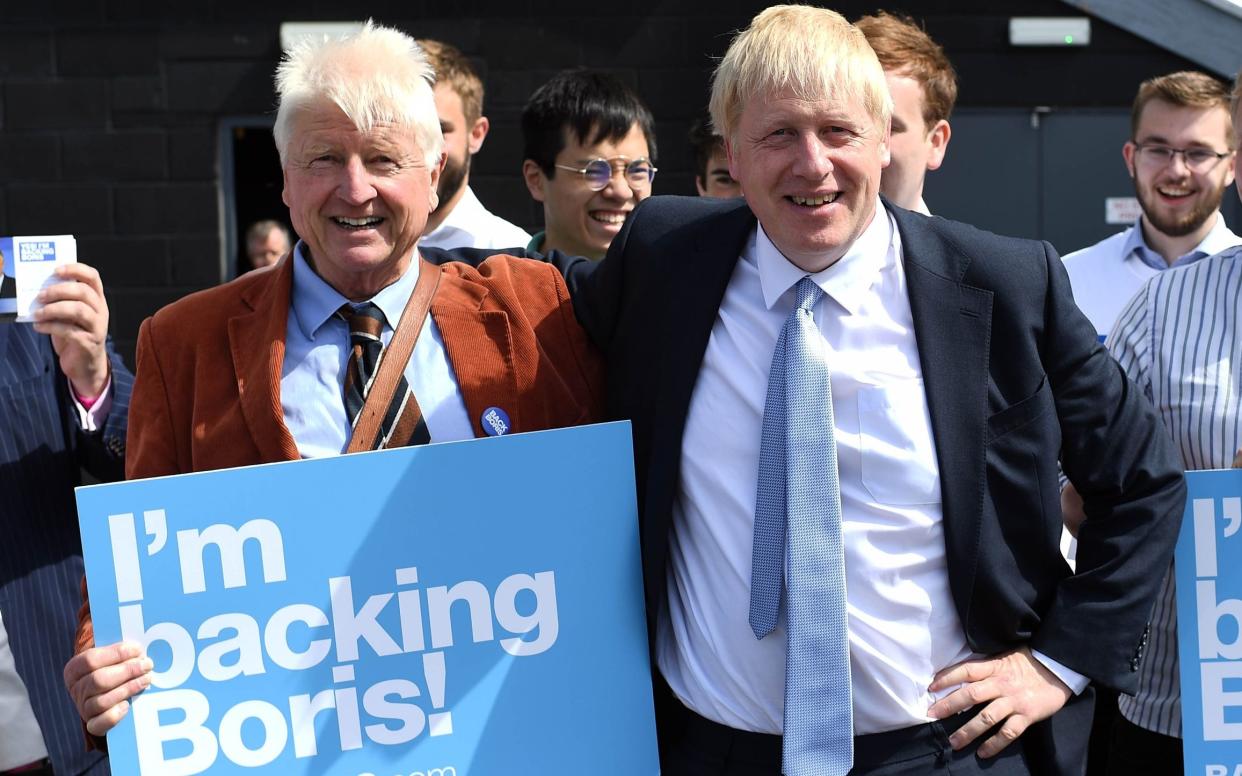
(1180, 156)
(590, 152)
(1182, 329)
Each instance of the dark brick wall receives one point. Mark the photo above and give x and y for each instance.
(110, 109)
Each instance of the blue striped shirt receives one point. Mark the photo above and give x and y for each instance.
(1180, 340)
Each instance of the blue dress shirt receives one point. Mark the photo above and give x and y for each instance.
(317, 351)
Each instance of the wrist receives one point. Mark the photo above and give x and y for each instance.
(87, 390)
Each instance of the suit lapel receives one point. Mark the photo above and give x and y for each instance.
(952, 326)
(695, 285)
(477, 342)
(257, 342)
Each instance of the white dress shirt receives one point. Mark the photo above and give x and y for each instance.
(1106, 275)
(21, 741)
(470, 225)
(317, 354)
(903, 625)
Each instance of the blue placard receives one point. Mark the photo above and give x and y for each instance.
(462, 609)
(1209, 616)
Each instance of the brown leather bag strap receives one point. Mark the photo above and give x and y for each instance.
(394, 358)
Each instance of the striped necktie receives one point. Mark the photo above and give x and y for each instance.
(798, 548)
(403, 422)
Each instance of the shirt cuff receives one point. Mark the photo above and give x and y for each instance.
(1075, 681)
(92, 419)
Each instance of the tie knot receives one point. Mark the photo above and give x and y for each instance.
(365, 319)
(808, 293)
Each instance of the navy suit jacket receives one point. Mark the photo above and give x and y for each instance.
(42, 454)
(1014, 379)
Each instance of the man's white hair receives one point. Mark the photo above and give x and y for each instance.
(375, 75)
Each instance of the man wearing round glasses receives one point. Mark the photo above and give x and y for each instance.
(590, 151)
(1180, 158)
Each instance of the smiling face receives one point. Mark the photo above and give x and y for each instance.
(579, 221)
(359, 200)
(810, 171)
(1176, 200)
(915, 147)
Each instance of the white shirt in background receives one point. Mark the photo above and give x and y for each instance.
(470, 225)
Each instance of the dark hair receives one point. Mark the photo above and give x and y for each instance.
(705, 142)
(594, 106)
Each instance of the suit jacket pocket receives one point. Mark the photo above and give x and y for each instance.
(1017, 415)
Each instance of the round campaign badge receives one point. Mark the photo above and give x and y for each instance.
(495, 421)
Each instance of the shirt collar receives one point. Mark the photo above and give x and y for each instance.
(536, 242)
(465, 213)
(314, 302)
(1216, 240)
(846, 280)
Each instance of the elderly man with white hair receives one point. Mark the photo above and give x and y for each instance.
(276, 365)
(847, 418)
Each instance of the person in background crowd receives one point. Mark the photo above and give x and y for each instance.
(460, 220)
(711, 164)
(1179, 155)
(1180, 332)
(1180, 137)
(924, 87)
(590, 158)
(266, 242)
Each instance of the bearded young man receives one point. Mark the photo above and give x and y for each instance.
(1180, 156)
(460, 220)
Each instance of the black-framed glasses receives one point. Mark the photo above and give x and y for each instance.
(639, 173)
(1197, 159)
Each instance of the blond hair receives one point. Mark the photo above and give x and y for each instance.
(375, 75)
(812, 52)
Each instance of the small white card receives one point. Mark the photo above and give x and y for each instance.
(29, 264)
(1121, 210)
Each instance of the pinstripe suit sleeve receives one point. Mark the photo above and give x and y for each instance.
(42, 450)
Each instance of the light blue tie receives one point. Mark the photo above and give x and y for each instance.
(798, 505)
